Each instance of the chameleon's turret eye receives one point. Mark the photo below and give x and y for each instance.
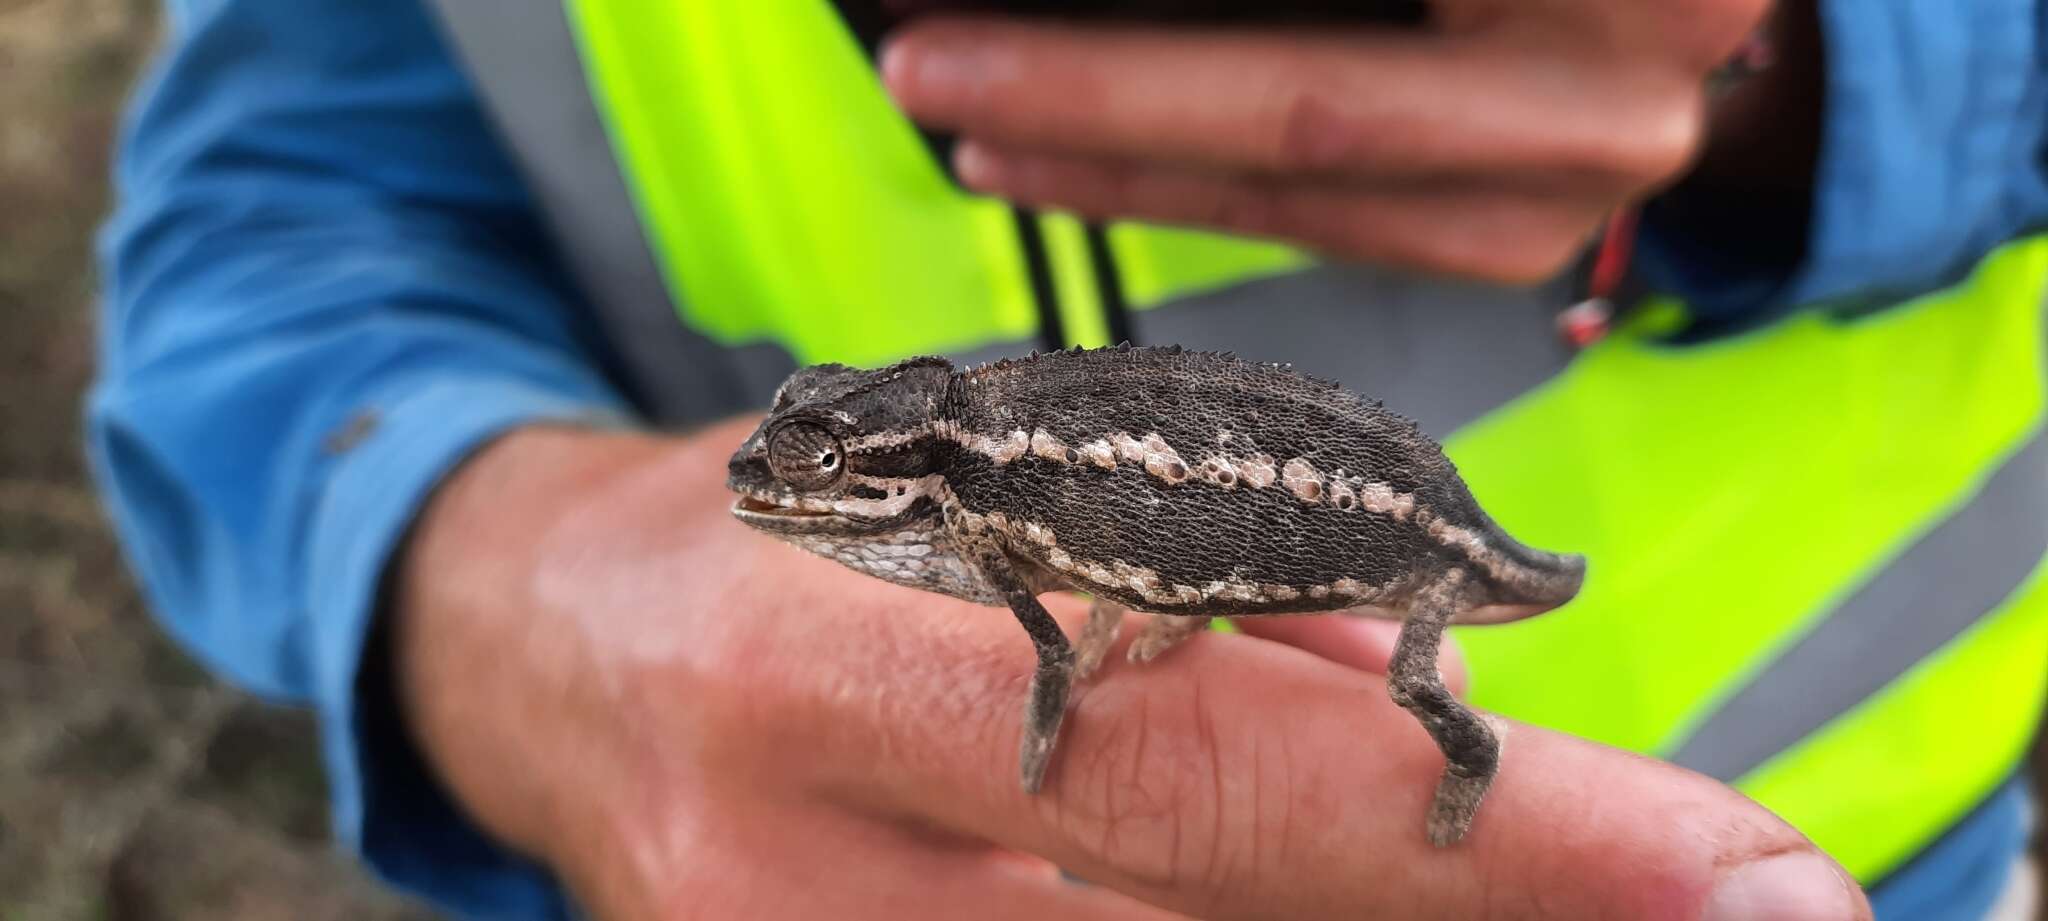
(806, 456)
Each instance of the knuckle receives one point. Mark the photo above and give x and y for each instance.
(1314, 133)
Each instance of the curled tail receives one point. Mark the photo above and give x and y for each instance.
(1517, 580)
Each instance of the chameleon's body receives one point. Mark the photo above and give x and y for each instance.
(1171, 482)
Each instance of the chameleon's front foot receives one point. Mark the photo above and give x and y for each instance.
(1043, 714)
(1047, 707)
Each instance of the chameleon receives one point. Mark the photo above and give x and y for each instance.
(1182, 484)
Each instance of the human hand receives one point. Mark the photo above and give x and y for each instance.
(1489, 143)
(689, 721)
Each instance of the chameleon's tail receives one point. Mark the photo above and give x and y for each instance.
(1522, 581)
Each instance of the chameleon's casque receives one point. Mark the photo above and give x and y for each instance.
(1179, 483)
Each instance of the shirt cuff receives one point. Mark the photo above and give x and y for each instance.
(1961, 876)
(387, 803)
(1927, 126)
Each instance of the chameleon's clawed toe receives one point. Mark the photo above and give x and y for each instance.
(1161, 633)
(1033, 760)
(1096, 639)
(1090, 661)
(1044, 713)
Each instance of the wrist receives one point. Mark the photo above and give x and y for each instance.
(502, 687)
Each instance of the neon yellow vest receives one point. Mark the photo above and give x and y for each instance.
(1729, 495)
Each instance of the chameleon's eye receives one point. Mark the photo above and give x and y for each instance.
(806, 456)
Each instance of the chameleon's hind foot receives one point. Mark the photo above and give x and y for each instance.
(1163, 632)
(1470, 745)
(1103, 618)
(1456, 804)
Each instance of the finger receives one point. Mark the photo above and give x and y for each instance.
(1331, 101)
(1241, 780)
(1484, 232)
(908, 886)
(856, 867)
(1366, 644)
(1010, 889)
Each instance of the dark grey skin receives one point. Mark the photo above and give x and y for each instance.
(1186, 484)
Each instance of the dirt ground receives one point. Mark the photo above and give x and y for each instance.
(132, 786)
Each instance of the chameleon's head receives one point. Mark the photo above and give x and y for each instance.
(844, 451)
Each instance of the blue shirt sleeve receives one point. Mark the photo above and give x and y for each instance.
(1934, 150)
(325, 286)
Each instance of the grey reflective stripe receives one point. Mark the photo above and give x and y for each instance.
(1443, 353)
(1941, 585)
(523, 60)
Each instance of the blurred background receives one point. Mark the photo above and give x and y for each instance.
(132, 786)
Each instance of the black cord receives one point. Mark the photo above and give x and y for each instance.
(1109, 287)
(1052, 332)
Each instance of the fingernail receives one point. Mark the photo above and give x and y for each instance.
(930, 74)
(1801, 886)
(978, 169)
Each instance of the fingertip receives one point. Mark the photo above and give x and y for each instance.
(979, 167)
(936, 70)
(895, 58)
(1664, 841)
(1794, 886)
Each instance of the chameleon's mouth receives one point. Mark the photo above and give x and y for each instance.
(764, 513)
(772, 510)
(752, 506)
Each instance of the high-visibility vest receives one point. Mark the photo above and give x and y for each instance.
(1816, 546)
